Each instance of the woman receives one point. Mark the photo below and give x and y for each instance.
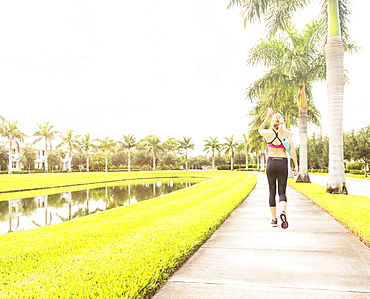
(277, 163)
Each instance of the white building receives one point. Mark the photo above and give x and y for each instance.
(40, 158)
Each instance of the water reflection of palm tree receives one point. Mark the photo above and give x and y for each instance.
(109, 202)
(87, 201)
(154, 185)
(79, 213)
(67, 197)
(13, 209)
(42, 202)
(129, 193)
(131, 198)
(77, 198)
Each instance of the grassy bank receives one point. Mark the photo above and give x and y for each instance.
(351, 210)
(121, 253)
(355, 176)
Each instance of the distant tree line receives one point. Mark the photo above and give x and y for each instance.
(84, 153)
(356, 151)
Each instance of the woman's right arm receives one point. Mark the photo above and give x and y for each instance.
(261, 129)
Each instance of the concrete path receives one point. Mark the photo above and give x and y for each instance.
(247, 258)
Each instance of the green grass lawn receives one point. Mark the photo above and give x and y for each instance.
(126, 252)
(356, 176)
(351, 210)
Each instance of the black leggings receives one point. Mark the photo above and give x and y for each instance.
(277, 169)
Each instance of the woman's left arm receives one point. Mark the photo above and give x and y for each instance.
(294, 154)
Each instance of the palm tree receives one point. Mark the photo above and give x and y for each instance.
(107, 146)
(295, 61)
(212, 145)
(153, 145)
(10, 130)
(335, 82)
(87, 144)
(72, 143)
(278, 14)
(185, 144)
(256, 143)
(129, 141)
(244, 147)
(171, 145)
(230, 147)
(46, 132)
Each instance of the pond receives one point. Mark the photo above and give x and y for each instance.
(32, 212)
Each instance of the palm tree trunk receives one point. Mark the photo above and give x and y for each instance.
(46, 156)
(70, 162)
(303, 176)
(87, 162)
(262, 160)
(335, 84)
(186, 159)
(246, 161)
(232, 161)
(213, 159)
(129, 160)
(10, 164)
(106, 163)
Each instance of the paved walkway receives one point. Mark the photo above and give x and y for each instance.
(247, 258)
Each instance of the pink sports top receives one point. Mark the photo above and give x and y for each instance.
(269, 144)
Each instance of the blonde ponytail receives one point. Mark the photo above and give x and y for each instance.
(277, 122)
(280, 128)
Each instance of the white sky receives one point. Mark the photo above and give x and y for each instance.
(164, 67)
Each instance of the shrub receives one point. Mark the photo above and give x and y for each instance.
(163, 167)
(223, 167)
(355, 166)
(355, 171)
(145, 168)
(325, 170)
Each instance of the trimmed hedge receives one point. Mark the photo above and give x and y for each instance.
(126, 252)
(355, 171)
(355, 166)
(237, 166)
(325, 170)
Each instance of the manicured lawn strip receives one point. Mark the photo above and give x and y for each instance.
(351, 210)
(356, 176)
(23, 182)
(121, 253)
